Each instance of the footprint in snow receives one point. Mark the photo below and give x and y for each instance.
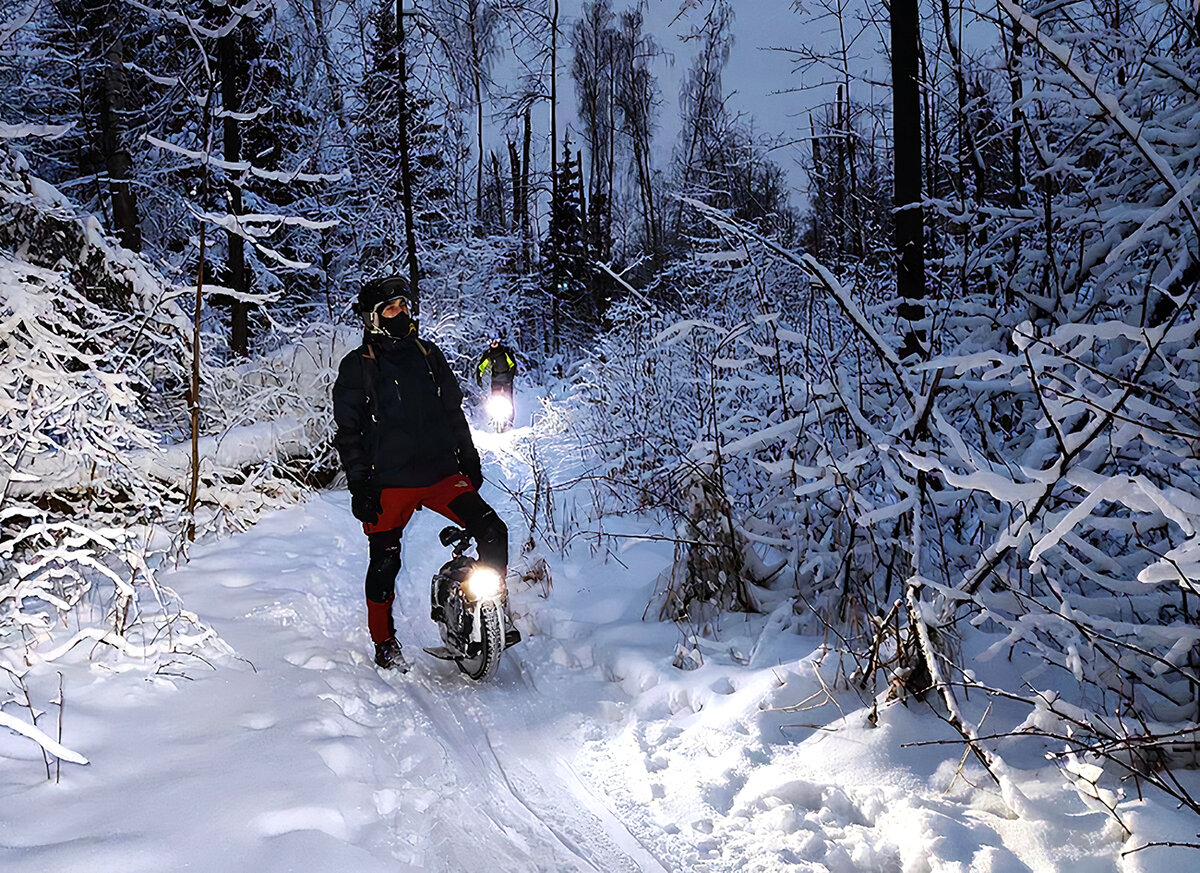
(303, 818)
(259, 721)
(342, 759)
(236, 580)
(311, 660)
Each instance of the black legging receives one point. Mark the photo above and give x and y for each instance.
(503, 385)
(478, 519)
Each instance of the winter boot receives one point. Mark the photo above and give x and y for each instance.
(390, 656)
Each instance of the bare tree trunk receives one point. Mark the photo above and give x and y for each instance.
(514, 168)
(406, 180)
(968, 148)
(906, 133)
(641, 161)
(231, 101)
(930, 164)
(554, 101)
(476, 50)
(335, 90)
(479, 146)
(194, 386)
(694, 136)
(612, 157)
(1016, 170)
(116, 155)
(852, 231)
(553, 151)
(526, 217)
(498, 184)
(194, 393)
(840, 197)
(816, 207)
(1017, 91)
(857, 242)
(335, 93)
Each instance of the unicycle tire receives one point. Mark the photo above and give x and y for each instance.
(482, 665)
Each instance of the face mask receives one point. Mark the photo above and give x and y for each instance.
(398, 325)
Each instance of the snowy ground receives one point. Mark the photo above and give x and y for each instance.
(589, 752)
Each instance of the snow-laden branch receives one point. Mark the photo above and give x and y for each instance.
(176, 642)
(251, 9)
(247, 224)
(1111, 107)
(47, 742)
(1112, 490)
(42, 131)
(765, 437)
(16, 24)
(245, 166)
(234, 449)
(1048, 479)
(830, 283)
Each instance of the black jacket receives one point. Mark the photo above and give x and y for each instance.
(398, 410)
(501, 362)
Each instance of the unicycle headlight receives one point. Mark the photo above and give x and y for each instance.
(482, 583)
(499, 407)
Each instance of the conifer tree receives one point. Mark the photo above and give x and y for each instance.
(264, 130)
(384, 237)
(564, 249)
(72, 72)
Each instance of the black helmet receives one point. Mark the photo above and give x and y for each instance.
(380, 291)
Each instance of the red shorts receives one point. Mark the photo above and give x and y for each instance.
(399, 504)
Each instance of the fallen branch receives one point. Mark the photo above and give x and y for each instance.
(49, 744)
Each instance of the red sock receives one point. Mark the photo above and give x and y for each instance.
(379, 620)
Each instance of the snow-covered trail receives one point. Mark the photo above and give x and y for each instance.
(457, 775)
(589, 751)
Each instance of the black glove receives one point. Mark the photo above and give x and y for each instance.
(365, 502)
(473, 470)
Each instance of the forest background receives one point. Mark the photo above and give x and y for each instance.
(950, 392)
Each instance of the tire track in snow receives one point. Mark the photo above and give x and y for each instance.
(461, 769)
(603, 839)
(514, 788)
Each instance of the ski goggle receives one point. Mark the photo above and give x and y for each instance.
(403, 301)
(374, 319)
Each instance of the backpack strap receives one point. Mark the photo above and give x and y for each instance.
(428, 366)
(371, 373)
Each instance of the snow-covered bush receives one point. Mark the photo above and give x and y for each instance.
(95, 448)
(1032, 487)
(90, 342)
(1034, 490)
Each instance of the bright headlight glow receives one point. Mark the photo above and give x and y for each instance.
(499, 407)
(483, 582)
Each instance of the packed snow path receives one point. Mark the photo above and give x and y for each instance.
(437, 771)
(589, 752)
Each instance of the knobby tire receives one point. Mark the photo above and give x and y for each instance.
(483, 666)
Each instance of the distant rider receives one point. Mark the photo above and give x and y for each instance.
(405, 444)
(500, 364)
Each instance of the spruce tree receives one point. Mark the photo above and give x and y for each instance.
(564, 249)
(381, 186)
